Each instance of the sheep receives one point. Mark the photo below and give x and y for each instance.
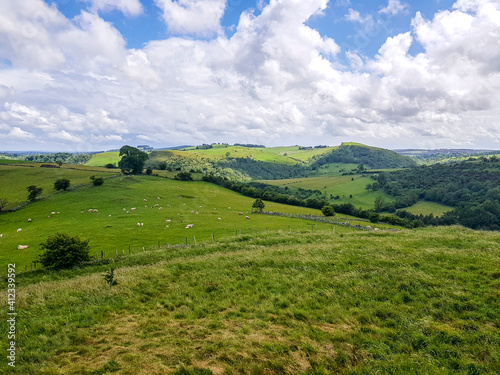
(376, 229)
(142, 224)
(247, 217)
(52, 213)
(220, 218)
(229, 208)
(160, 208)
(240, 213)
(1, 235)
(19, 230)
(166, 226)
(156, 205)
(168, 221)
(29, 220)
(201, 206)
(146, 206)
(127, 212)
(138, 224)
(96, 210)
(368, 227)
(109, 215)
(192, 211)
(58, 212)
(157, 197)
(189, 226)
(22, 247)
(90, 210)
(196, 212)
(132, 209)
(124, 209)
(145, 200)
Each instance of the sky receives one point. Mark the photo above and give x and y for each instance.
(91, 75)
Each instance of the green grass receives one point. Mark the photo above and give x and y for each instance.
(343, 186)
(103, 158)
(120, 230)
(14, 179)
(413, 302)
(427, 208)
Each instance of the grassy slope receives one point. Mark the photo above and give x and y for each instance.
(426, 208)
(414, 302)
(103, 158)
(121, 230)
(14, 179)
(343, 186)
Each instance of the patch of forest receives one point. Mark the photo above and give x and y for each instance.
(473, 188)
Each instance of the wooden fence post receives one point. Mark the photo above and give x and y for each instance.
(213, 238)
(194, 237)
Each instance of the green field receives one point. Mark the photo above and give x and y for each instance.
(103, 158)
(411, 302)
(14, 179)
(427, 208)
(342, 186)
(112, 228)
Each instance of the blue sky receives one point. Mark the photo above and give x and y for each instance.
(87, 75)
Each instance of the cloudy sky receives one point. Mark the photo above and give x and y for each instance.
(88, 75)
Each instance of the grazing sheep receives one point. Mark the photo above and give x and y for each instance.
(124, 209)
(109, 215)
(201, 206)
(160, 208)
(90, 210)
(376, 229)
(166, 226)
(189, 226)
(146, 206)
(178, 214)
(157, 197)
(19, 230)
(184, 204)
(58, 212)
(168, 221)
(229, 208)
(132, 209)
(142, 224)
(240, 213)
(138, 224)
(247, 217)
(196, 212)
(214, 208)
(29, 220)
(96, 210)
(145, 200)
(220, 218)
(52, 213)
(127, 212)
(156, 205)
(22, 247)
(1, 235)
(192, 211)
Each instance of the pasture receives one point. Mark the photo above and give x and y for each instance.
(103, 158)
(342, 186)
(427, 208)
(412, 302)
(14, 179)
(121, 206)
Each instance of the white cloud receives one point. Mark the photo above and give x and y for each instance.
(18, 133)
(355, 16)
(127, 7)
(193, 17)
(395, 7)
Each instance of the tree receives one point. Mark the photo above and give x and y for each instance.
(34, 192)
(328, 211)
(98, 181)
(132, 161)
(59, 162)
(258, 205)
(380, 204)
(149, 171)
(183, 176)
(64, 251)
(62, 184)
(110, 166)
(163, 166)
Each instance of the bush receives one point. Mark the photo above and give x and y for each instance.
(98, 181)
(149, 171)
(162, 166)
(110, 166)
(34, 192)
(62, 184)
(64, 251)
(328, 211)
(183, 176)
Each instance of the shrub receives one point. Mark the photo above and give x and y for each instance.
(149, 171)
(64, 251)
(162, 166)
(328, 211)
(62, 184)
(110, 166)
(98, 181)
(258, 205)
(183, 176)
(34, 192)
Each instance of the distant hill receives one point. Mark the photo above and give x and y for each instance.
(360, 154)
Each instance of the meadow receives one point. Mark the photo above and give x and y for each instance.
(15, 178)
(114, 227)
(103, 158)
(411, 302)
(427, 208)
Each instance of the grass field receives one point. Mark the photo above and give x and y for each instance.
(343, 186)
(412, 302)
(427, 208)
(14, 179)
(103, 158)
(112, 228)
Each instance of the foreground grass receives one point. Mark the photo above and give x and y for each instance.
(412, 302)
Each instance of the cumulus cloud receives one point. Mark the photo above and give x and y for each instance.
(395, 7)
(275, 81)
(355, 16)
(127, 7)
(193, 17)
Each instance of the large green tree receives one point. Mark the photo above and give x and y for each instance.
(64, 251)
(132, 161)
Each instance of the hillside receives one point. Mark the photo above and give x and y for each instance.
(412, 302)
(370, 156)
